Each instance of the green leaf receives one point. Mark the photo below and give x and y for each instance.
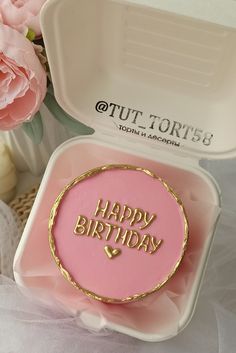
(31, 34)
(65, 119)
(34, 128)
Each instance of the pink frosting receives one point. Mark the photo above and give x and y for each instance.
(133, 271)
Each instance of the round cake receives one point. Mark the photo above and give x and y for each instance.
(118, 233)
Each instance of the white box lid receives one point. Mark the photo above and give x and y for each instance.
(164, 71)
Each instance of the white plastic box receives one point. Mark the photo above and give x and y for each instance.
(157, 82)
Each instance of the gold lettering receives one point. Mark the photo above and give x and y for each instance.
(111, 227)
(115, 212)
(147, 222)
(125, 216)
(123, 236)
(131, 238)
(91, 222)
(80, 227)
(137, 216)
(155, 244)
(101, 210)
(130, 242)
(145, 242)
(98, 229)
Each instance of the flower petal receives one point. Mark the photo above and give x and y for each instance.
(22, 79)
(21, 14)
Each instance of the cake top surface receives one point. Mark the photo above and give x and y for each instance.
(118, 233)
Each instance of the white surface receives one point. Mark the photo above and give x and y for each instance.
(178, 69)
(222, 12)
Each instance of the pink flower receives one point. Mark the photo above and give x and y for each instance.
(22, 79)
(21, 14)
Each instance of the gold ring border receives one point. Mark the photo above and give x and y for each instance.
(53, 249)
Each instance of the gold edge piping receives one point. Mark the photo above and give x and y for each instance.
(53, 214)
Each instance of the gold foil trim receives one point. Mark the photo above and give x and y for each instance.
(66, 274)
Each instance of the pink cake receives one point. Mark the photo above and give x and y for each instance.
(118, 233)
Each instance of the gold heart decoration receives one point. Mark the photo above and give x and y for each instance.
(110, 252)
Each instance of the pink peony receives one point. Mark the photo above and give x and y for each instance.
(21, 14)
(22, 79)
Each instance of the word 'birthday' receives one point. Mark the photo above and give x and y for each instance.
(106, 230)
